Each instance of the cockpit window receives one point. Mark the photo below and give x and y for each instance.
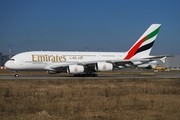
(11, 59)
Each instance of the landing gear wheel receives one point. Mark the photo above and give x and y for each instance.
(85, 75)
(16, 75)
(95, 75)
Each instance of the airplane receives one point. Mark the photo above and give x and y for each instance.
(86, 63)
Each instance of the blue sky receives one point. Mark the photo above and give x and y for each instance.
(99, 25)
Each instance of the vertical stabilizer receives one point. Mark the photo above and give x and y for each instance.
(143, 46)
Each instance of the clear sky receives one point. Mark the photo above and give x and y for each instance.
(99, 25)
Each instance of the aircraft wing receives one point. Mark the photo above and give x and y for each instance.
(156, 57)
(116, 63)
(159, 57)
(90, 64)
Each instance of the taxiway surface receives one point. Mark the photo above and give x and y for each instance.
(123, 74)
(100, 77)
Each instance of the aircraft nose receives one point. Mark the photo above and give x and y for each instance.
(8, 65)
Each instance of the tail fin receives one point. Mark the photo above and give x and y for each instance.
(143, 46)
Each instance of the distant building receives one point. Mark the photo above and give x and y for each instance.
(0, 59)
(3, 59)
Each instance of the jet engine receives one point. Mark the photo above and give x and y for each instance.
(52, 72)
(103, 66)
(75, 69)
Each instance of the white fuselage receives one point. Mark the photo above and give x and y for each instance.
(40, 60)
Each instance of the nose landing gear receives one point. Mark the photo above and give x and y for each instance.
(16, 74)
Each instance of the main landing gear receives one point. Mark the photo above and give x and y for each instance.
(16, 74)
(86, 75)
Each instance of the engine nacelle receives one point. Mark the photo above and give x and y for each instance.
(75, 69)
(103, 66)
(52, 72)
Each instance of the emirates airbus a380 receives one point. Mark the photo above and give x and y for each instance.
(86, 63)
